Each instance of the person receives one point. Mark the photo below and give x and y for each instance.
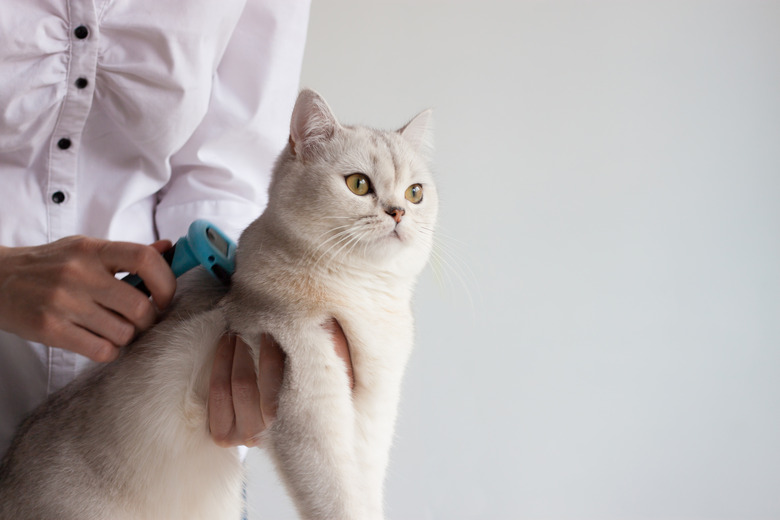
(120, 123)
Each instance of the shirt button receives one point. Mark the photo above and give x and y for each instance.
(64, 143)
(82, 83)
(81, 32)
(58, 197)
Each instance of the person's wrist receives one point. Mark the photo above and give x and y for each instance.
(4, 299)
(5, 253)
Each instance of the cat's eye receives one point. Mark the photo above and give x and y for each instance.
(414, 193)
(358, 183)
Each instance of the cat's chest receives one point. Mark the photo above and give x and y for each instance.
(346, 291)
(277, 294)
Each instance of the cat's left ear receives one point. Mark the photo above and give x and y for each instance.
(419, 132)
(312, 124)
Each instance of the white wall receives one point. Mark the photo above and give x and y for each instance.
(610, 173)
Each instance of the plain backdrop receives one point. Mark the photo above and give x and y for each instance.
(600, 337)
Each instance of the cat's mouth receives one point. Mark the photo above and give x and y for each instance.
(393, 231)
(395, 234)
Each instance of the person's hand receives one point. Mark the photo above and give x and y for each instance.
(65, 295)
(242, 402)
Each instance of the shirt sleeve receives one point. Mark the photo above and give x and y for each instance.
(222, 172)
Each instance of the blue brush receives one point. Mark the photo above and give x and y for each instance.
(204, 244)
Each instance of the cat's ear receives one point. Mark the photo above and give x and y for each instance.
(312, 124)
(419, 132)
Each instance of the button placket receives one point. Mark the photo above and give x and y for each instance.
(66, 138)
(64, 148)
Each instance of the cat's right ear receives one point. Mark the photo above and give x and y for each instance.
(419, 132)
(312, 124)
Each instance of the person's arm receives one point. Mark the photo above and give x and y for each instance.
(222, 172)
(64, 294)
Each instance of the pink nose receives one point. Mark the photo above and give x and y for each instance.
(396, 213)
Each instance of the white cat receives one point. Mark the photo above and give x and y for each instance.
(347, 230)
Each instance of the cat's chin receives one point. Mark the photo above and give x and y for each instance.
(392, 243)
(391, 236)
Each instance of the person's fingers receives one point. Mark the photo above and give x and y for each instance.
(77, 314)
(82, 341)
(65, 294)
(242, 402)
(127, 301)
(246, 396)
(342, 348)
(106, 324)
(220, 403)
(271, 371)
(146, 262)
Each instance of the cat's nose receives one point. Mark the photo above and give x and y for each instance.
(396, 213)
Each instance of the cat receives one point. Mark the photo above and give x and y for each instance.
(347, 230)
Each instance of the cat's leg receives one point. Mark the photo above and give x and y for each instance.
(312, 438)
(379, 358)
(375, 415)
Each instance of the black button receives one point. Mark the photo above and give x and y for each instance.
(81, 32)
(58, 197)
(63, 143)
(82, 83)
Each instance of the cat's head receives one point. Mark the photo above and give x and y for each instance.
(351, 193)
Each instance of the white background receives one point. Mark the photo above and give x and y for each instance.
(605, 343)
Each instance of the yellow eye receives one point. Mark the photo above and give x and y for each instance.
(358, 184)
(414, 193)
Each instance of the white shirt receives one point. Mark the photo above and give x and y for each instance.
(127, 120)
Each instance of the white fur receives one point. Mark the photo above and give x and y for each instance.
(130, 441)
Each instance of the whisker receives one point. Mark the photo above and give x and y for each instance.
(450, 238)
(355, 239)
(337, 228)
(320, 250)
(450, 270)
(339, 238)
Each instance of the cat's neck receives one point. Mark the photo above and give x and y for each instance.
(292, 252)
